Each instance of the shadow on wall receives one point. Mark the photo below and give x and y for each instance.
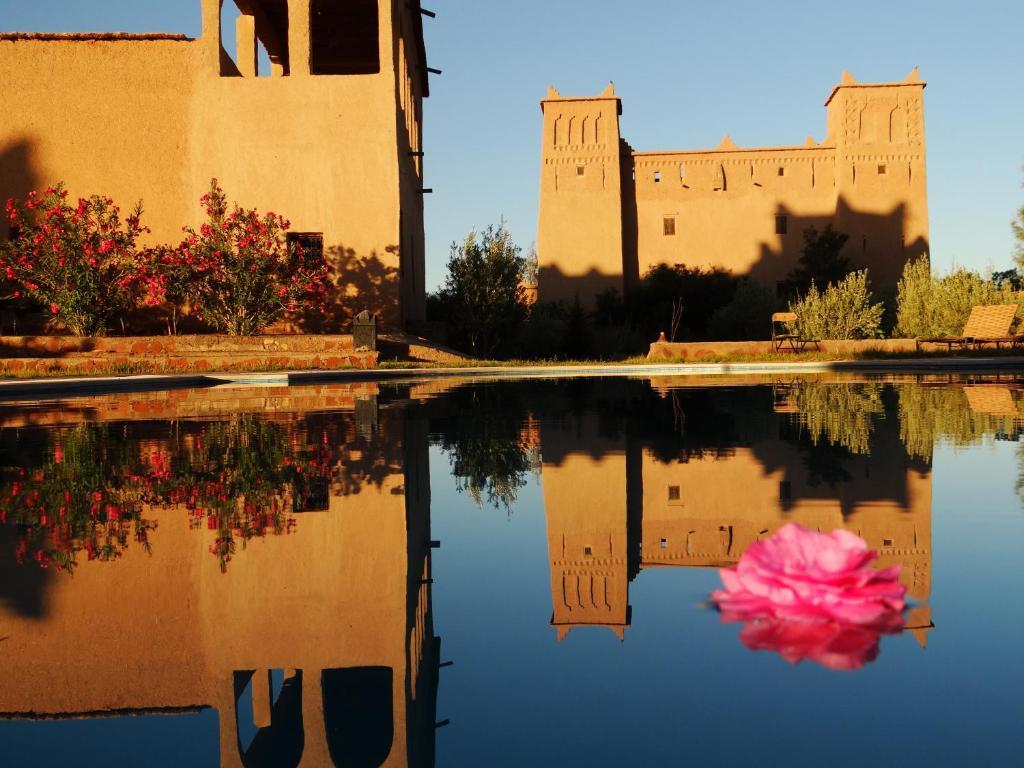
(18, 177)
(555, 285)
(355, 282)
(23, 587)
(877, 242)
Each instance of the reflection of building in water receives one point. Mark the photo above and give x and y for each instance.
(313, 647)
(613, 508)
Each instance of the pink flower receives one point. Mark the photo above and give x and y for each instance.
(809, 595)
(54, 309)
(831, 644)
(803, 575)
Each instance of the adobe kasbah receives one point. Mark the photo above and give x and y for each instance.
(332, 138)
(608, 213)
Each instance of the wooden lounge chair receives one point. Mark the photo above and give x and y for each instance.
(783, 336)
(987, 324)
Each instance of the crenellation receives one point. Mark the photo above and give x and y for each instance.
(730, 198)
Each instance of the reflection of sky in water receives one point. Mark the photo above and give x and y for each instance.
(679, 689)
(157, 740)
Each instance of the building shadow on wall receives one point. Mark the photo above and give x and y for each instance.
(23, 586)
(18, 177)
(877, 242)
(355, 282)
(555, 285)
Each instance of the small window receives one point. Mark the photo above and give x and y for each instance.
(882, 169)
(782, 171)
(657, 177)
(781, 225)
(785, 490)
(580, 170)
(588, 551)
(664, 543)
(673, 493)
(668, 226)
(311, 243)
(886, 542)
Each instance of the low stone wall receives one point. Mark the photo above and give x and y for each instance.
(700, 350)
(179, 354)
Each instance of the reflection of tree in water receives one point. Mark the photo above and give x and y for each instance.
(89, 487)
(841, 415)
(935, 414)
(488, 451)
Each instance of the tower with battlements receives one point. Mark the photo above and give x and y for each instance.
(609, 213)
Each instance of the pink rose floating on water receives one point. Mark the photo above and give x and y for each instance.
(810, 595)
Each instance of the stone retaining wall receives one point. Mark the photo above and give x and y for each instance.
(698, 350)
(179, 354)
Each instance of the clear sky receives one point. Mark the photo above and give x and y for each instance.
(688, 72)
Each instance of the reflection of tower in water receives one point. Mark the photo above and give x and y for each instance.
(314, 648)
(614, 508)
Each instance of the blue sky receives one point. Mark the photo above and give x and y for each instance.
(687, 72)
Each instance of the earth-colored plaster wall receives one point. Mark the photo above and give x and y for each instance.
(169, 629)
(734, 227)
(117, 125)
(155, 119)
(579, 244)
(867, 178)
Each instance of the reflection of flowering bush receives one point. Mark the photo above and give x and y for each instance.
(91, 487)
(72, 504)
(77, 260)
(812, 595)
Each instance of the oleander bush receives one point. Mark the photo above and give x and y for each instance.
(76, 260)
(81, 264)
(238, 272)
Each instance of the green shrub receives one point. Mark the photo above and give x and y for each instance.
(747, 316)
(842, 311)
(927, 305)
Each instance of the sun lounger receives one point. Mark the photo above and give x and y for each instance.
(987, 324)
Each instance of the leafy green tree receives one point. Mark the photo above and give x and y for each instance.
(1018, 235)
(483, 293)
(821, 262)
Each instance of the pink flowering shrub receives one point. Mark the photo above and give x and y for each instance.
(237, 271)
(813, 595)
(78, 261)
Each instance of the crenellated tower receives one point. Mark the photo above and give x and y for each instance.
(579, 243)
(882, 199)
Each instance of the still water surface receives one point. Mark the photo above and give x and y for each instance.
(502, 574)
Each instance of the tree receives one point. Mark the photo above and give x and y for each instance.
(1018, 235)
(821, 261)
(483, 291)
